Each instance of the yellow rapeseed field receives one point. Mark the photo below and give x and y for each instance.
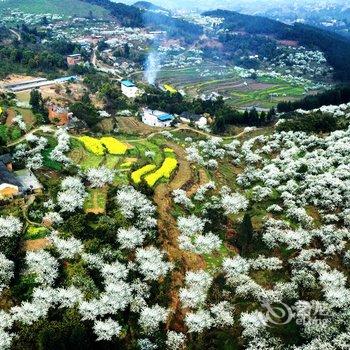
(168, 166)
(93, 145)
(136, 175)
(114, 146)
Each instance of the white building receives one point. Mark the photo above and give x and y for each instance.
(157, 118)
(197, 119)
(129, 89)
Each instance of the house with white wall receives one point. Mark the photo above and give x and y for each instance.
(129, 89)
(196, 119)
(157, 118)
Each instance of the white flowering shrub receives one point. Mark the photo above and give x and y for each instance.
(43, 266)
(199, 321)
(67, 248)
(6, 271)
(152, 317)
(9, 226)
(151, 264)
(62, 147)
(107, 329)
(196, 287)
(72, 195)
(135, 205)
(192, 237)
(18, 119)
(100, 177)
(180, 197)
(31, 151)
(130, 238)
(175, 340)
(234, 203)
(253, 323)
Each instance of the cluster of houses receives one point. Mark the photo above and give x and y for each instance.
(158, 118)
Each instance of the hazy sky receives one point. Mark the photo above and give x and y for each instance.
(232, 4)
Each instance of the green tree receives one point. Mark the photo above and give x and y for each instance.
(245, 234)
(86, 112)
(38, 104)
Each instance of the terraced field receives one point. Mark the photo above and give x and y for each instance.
(263, 92)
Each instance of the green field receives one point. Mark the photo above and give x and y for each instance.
(263, 92)
(96, 201)
(63, 8)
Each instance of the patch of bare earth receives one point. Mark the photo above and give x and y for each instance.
(36, 244)
(169, 234)
(131, 125)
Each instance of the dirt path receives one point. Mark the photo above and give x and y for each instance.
(33, 244)
(203, 179)
(43, 128)
(169, 233)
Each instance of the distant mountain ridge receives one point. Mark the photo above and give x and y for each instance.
(148, 6)
(133, 16)
(335, 47)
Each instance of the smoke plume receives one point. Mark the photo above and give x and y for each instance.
(153, 65)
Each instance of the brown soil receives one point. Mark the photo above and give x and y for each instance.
(36, 244)
(169, 233)
(131, 125)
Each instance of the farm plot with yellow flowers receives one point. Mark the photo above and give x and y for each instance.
(93, 145)
(114, 146)
(153, 160)
(165, 171)
(100, 146)
(137, 175)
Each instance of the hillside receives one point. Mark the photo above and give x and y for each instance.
(148, 6)
(335, 47)
(60, 7)
(134, 17)
(127, 15)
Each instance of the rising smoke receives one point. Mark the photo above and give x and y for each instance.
(153, 65)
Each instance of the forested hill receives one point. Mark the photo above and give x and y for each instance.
(127, 15)
(145, 5)
(133, 16)
(335, 47)
(235, 21)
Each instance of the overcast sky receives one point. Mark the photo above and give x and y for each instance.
(231, 4)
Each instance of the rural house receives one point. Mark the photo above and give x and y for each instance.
(157, 118)
(73, 60)
(129, 89)
(9, 184)
(196, 119)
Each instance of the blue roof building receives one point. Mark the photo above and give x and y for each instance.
(165, 117)
(128, 83)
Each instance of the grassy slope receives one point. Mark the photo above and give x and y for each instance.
(61, 7)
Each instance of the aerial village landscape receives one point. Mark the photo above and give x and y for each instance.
(174, 175)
